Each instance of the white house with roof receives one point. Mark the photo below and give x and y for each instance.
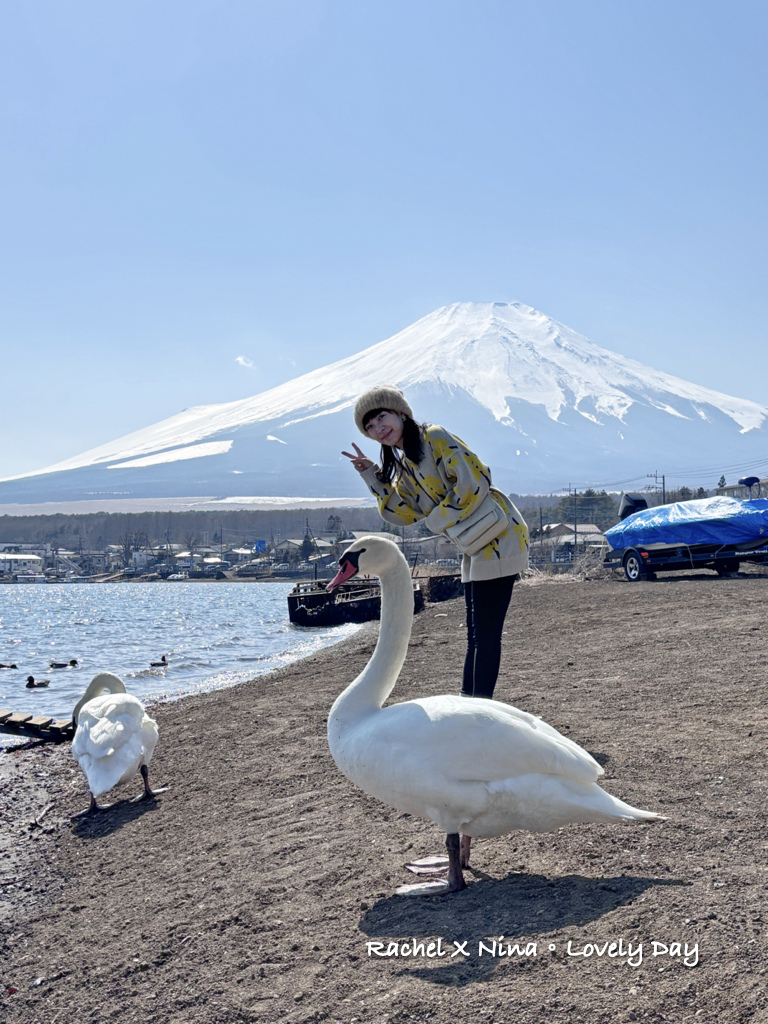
(291, 547)
(21, 561)
(558, 541)
(143, 559)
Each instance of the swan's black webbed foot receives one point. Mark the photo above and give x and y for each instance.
(148, 794)
(466, 844)
(92, 808)
(455, 878)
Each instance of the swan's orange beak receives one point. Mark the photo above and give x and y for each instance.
(346, 572)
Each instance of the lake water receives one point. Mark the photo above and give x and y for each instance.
(214, 635)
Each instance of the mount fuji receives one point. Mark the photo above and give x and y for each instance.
(541, 404)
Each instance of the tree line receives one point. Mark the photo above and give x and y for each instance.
(96, 531)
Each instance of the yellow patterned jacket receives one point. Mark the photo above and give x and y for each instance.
(445, 486)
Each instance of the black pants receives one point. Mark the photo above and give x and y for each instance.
(487, 603)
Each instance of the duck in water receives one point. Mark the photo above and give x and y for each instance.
(32, 683)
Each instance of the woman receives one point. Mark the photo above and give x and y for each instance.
(428, 473)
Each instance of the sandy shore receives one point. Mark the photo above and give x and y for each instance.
(250, 890)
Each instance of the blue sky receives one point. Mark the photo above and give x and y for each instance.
(288, 182)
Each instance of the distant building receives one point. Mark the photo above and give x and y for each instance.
(558, 542)
(291, 547)
(562, 529)
(11, 561)
(93, 561)
(43, 550)
(143, 559)
(237, 555)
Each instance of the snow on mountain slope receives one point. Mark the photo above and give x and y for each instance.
(514, 365)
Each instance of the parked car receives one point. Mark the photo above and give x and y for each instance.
(281, 567)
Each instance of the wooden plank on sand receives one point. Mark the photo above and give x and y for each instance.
(63, 725)
(18, 719)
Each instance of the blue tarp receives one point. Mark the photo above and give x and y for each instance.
(717, 520)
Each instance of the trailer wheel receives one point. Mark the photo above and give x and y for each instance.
(633, 566)
(727, 567)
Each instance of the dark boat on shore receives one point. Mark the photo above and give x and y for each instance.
(310, 604)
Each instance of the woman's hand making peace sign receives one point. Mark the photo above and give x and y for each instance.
(359, 460)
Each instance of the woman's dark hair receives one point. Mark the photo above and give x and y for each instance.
(413, 447)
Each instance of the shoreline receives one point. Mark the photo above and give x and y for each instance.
(267, 578)
(160, 700)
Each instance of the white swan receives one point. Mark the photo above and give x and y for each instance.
(114, 739)
(476, 767)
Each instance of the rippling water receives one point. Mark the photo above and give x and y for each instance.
(214, 635)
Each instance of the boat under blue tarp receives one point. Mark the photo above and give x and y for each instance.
(719, 520)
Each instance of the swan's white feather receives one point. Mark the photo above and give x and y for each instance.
(114, 738)
(483, 768)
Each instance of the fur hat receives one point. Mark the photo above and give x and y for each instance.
(386, 396)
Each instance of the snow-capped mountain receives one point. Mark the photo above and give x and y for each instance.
(541, 404)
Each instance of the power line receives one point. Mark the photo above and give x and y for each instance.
(757, 465)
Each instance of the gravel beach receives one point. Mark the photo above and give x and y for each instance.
(260, 887)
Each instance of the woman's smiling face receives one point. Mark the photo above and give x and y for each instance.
(386, 427)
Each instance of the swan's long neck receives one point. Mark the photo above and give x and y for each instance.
(375, 683)
(104, 682)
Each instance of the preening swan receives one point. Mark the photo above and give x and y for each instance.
(114, 739)
(476, 767)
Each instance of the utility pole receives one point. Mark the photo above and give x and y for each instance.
(541, 531)
(575, 508)
(655, 476)
(575, 519)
